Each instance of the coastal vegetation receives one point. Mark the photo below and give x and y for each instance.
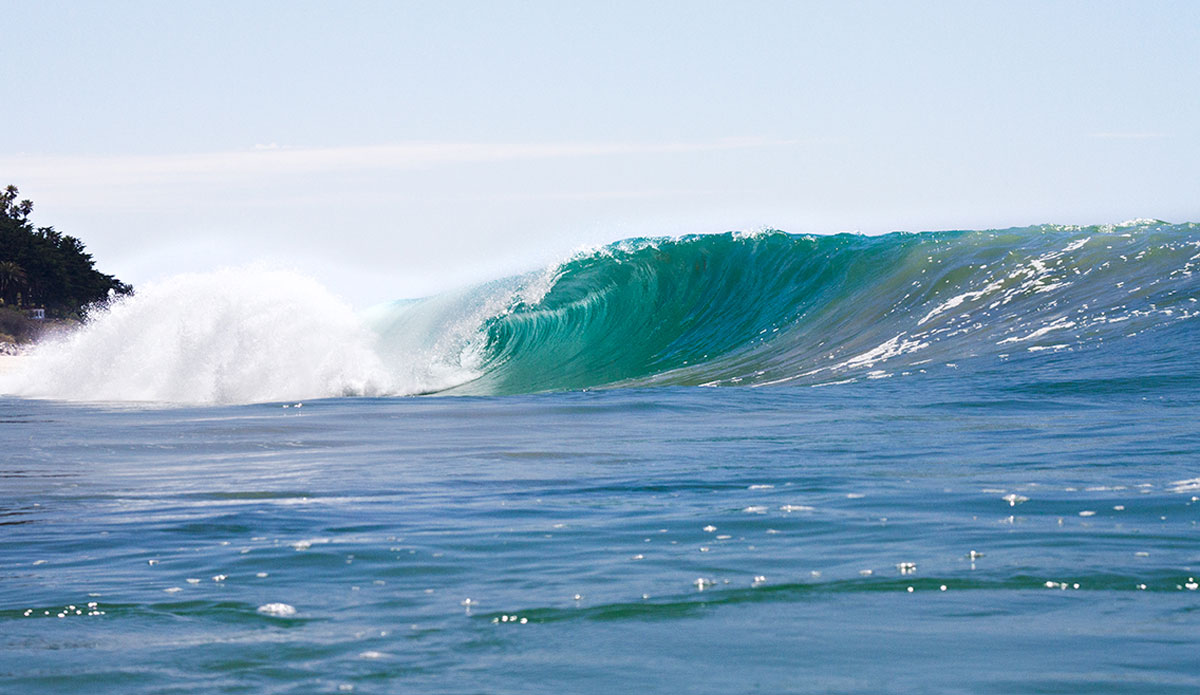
(42, 268)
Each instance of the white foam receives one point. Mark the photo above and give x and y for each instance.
(1189, 485)
(231, 336)
(278, 610)
(1014, 499)
(893, 347)
(1058, 324)
(959, 299)
(1076, 245)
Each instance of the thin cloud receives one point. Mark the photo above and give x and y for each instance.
(274, 160)
(1127, 136)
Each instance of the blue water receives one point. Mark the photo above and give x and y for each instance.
(970, 516)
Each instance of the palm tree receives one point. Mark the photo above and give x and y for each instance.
(10, 208)
(12, 278)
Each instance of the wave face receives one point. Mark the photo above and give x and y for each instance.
(775, 308)
(714, 310)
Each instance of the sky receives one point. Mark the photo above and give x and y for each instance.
(395, 149)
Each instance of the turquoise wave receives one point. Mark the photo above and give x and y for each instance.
(778, 308)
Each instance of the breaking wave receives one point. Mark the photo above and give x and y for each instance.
(713, 310)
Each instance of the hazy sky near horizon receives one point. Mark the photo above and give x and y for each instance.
(397, 148)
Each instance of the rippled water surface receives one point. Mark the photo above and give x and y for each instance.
(992, 527)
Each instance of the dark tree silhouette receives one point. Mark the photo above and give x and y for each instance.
(13, 279)
(45, 267)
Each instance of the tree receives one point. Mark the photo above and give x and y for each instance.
(12, 209)
(50, 268)
(12, 279)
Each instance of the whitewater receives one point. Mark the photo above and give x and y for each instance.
(937, 462)
(713, 310)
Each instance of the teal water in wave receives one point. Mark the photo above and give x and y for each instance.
(775, 308)
(972, 466)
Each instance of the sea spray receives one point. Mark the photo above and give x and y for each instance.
(230, 336)
(437, 343)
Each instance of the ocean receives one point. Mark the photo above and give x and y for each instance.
(947, 462)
